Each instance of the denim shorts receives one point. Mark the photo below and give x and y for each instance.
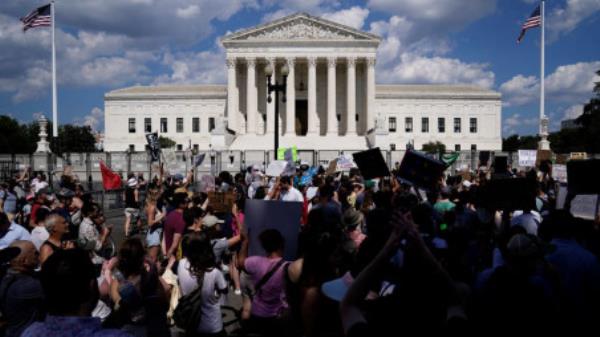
(153, 237)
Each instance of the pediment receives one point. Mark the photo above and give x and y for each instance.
(301, 27)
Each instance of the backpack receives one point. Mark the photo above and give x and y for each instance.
(188, 313)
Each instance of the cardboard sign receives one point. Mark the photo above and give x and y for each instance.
(345, 162)
(583, 176)
(421, 170)
(332, 168)
(270, 214)
(276, 168)
(542, 156)
(371, 163)
(527, 158)
(559, 173)
(311, 192)
(578, 156)
(207, 183)
(221, 202)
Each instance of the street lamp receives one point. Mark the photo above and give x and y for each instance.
(277, 87)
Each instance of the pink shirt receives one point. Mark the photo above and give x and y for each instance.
(270, 300)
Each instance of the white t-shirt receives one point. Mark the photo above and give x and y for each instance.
(291, 195)
(38, 185)
(211, 321)
(39, 235)
(529, 221)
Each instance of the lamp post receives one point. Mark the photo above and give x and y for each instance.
(277, 87)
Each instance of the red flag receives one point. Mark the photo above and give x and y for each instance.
(110, 180)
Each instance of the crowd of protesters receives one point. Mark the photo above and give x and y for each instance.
(375, 258)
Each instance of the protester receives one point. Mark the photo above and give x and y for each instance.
(174, 226)
(39, 234)
(68, 280)
(21, 295)
(155, 217)
(57, 227)
(11, 232)
(131, 196)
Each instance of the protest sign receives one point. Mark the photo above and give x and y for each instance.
(421, 170)
(207, 183)
(559, 173)
(171, 164)
(199, 159)
(509, 193)
(153, 146)
(584, 206)
(583, 176)
(311, 192)
(344, 162)
(484, 157)
(221, 202)
(371, 163)
(276, 168)
(270, 214)
(578, 156)
(527, 158)
(501, 165)
(332, 168)
(281, 153)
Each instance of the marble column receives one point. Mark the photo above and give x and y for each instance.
(271, 106)
(290, 109)
(232, 104)
(251, 96)
(370, 110)
(313, 118)
(351, 96)
(331, 98)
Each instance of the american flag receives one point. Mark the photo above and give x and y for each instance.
(535, 20)
(40, 17)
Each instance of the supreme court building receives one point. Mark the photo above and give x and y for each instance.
(333, 101)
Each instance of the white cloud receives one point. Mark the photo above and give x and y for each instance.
(562, 20)
(95, 119)
(418, 69)
(571, 83)
(206, 67)
(510, 124)
(573, 112)
(188, 12)
(354, 17)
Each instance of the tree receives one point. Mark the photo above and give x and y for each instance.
(434, 148)
(166, 142)
(73, 138)
(15, 137)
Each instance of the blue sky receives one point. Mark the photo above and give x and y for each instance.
(110, 44)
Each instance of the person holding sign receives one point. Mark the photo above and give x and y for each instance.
(284, 191)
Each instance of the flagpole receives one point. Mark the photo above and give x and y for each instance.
(544, 144)
(54, 113)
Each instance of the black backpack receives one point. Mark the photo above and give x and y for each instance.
(188, 312)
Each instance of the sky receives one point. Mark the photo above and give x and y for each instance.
(111, 44)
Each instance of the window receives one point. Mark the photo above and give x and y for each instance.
(473, 147)
(131, 125)
(456, 125)
(147, 125)
(392, 122)
(441, 125)
(164, 128)
(473, 125)
(356, 117)
(211, 124)
(196, 147)
(339, 117)
(179, 147)
(457, 147)
(424, 124)
(195, 124)
(179, 125)
(131, 148)
(408, 124)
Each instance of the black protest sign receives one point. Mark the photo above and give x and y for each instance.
(421, 170)
(283, 216)
(153, 145)
(582, 176)
(500, 165)
(509, 194)
(371, 164)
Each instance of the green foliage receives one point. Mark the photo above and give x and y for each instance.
(516, 142)
(73, 138)
(434, 148)
(166, 142)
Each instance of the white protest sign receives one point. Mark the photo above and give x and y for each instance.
(527, 158)
(171, 163)
(345, 163)
(559, 172)
(311, 192)
(584, 206)
(276, 168)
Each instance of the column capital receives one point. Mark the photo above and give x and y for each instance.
(271, 60)
(290, 61)
(351, 61)
(312, 61)
(331, 61)
(251, 61)
(371, 61)
(231, 61)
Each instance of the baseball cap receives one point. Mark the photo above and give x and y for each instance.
(211, 220)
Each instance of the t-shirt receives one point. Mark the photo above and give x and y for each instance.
(211, 320)
(174, 223)
(10, 203)
(444, 206)
(15, 232)
(291, 195)
(269, 301)
(38, 236)
(219, 247)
